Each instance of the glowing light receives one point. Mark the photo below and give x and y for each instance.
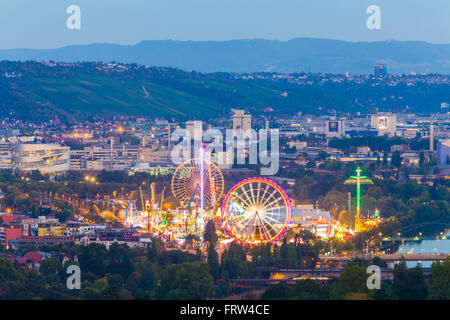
(256, 210)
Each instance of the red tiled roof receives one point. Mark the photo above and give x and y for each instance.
(34, 257)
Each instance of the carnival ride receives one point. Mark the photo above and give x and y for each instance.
(199, 181)
(133, 217)
(255, 211)
(198, 184)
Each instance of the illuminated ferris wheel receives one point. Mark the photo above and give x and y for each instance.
(256, 210)
(199, 181)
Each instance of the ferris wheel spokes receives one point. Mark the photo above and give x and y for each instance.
(256, 210)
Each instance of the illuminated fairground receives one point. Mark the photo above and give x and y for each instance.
(254, 211)
(198, 185)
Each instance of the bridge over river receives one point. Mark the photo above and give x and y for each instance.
(387, 257)
(291, 276)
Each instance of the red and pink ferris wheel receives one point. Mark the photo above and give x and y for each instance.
(255, 211)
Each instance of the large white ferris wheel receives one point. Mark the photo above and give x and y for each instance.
(197, 180)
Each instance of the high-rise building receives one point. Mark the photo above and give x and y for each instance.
(386, 124)
(334, 128)
(241, 121)
(195, 129)
(380, 70)
(431, 138)
(444, 105)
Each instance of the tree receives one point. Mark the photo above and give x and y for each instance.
(125, 267)
(146, 271)
(421, 159)
(176, 257)
(288, 255)
(262, 255)
(210, 235)
(7, 271)
(307, 290)
(154, 249)
(384, 293)
(276, 292)
(119, 261)
(50, 266)
(409, 284)
(378, 262)
(351, 281)
(185, 281)
(440, 280)
(92, 258)
(89, 293)
(212, 260)
(334, 201)
(303, 193)
(63, 215)
(396, 159)
(233, 259)
(101, 284)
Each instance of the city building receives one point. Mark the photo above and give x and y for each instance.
(313, 219)
(195, 129)
(47, 158)
(5, 155)
(38, 242)
(97, 158)
(334, 128)
(241, 122)
(386, 124)
(152, 155)
(380, 70)
(443, 152)
(10, 231)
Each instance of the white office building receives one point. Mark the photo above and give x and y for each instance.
(386, 124)
(195, 129)
(334, 128)
(47, 158)
(242, 122)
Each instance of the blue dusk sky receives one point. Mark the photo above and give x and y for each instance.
(42, 23)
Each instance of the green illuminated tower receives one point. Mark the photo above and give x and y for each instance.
(358, 180)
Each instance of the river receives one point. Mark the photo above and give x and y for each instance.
(425, 246)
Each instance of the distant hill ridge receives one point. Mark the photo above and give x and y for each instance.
(74, 91)
(257, 55)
